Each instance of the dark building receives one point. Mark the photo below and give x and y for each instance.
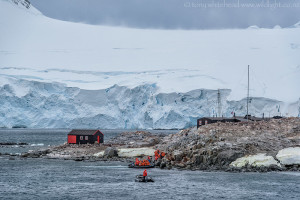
(85, 137)
(209, 120)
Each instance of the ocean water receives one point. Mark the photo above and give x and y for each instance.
(65, 179)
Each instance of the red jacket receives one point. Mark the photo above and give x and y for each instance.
(145, 173)
(137, 162)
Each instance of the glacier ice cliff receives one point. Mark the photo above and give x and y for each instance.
(54, 105)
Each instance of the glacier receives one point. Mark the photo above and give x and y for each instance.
(57, 74)
(54, 105)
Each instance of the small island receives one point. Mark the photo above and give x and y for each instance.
(256, 146)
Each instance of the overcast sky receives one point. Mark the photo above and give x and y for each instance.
(173, 14)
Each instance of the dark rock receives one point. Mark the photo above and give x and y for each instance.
(163, 165)
(178, 155)
(158, 162)
(180, 165)
(110, 152)
(19, 126)
(275, 168)
(12, 143)
(24, 155)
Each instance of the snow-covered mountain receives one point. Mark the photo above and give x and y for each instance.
(62, 74)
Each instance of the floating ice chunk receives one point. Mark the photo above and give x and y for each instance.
(34, 145)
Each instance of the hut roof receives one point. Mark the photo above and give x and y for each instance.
(213, 118)
(82, 132)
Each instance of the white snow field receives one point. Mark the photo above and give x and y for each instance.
(62, 74)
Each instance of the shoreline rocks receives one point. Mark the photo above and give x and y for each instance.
(250, 146)
(13, 143)
(233, 147)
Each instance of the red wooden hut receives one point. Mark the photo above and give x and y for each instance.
(77, 136)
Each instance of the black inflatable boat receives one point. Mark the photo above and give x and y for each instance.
(140, 178)
(132, 165)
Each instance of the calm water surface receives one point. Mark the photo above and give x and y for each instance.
(66, 179)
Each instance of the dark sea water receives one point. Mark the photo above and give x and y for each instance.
(65, 179)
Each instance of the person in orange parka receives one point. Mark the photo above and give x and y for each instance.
(156, 153)
(144, 174)
(147, 163)
(137, 162)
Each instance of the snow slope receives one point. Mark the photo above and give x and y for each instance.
(57, 73)
(96, 57)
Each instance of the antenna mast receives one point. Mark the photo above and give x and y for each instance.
(219, 103)
(248, 96)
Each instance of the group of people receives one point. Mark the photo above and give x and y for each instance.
(142, 162)
(145, 162)
(159, 154)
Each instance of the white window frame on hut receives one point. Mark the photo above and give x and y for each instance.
(81, 137)
(86, 137)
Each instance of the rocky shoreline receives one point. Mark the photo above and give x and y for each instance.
(251, 146)
(234, 147)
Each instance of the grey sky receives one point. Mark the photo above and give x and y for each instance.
(173, 14)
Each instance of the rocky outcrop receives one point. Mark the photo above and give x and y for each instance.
(136, 139)
(243, 145)
(110, 152)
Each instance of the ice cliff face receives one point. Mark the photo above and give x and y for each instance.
(53, 105)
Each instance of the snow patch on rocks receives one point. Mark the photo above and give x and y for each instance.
(289, 156)
(99, 154)
(58, 156)
(135, 152)
(257, 160)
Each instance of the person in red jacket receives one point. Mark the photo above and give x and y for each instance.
(137, 162)
(144, 174)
